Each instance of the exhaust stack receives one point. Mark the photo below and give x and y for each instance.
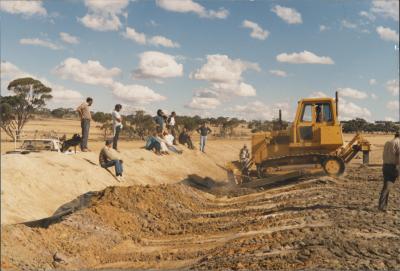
(337, 103)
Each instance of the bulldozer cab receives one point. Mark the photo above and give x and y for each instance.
(316, 124)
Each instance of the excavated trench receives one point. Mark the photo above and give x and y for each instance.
(316, 223)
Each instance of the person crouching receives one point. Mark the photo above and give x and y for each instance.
(109, 157)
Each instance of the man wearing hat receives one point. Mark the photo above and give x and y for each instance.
(390, 168)
(109, 157)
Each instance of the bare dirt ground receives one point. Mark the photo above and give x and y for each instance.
(313, 223)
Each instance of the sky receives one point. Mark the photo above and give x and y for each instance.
(243, 59)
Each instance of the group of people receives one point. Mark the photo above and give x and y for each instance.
(162, 141)
(164, 137)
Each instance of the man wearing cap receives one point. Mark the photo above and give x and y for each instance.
(390, 168)
(109, 157)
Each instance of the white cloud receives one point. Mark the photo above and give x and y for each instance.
(304, 57)
(318, 94)
(104, 15)
(132, 34)
(203, 103)
(289, 15)
(386, 8)
(260, 111)
(157, 65)
(26, 8)
(278, 73)
(393, 105)
(222, 69)
(206, 93)
(163, 41)
(387, 34)
(323, 28)
(91, 72)
(101, 22)
(373, 96)
(136, 94)
(372, 81)
(348, 24)
(349, 110)
(68, 38)
(236, 88)
(390, 119)
(393, 87)
(367, 15)
(9, 71)
(225, 75)
(185, 6)
(61, 95)
(352, 93)
(40, 42)
(256, 31)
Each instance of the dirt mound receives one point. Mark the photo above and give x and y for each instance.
(321, 223)
(35, 185)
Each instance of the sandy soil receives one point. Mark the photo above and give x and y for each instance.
(320, 223)
(36, 184)
(161, 218)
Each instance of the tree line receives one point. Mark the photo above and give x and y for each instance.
(30, 97)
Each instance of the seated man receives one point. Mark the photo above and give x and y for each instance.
(152, 144)
(184, 138)
(169, 140)
(109, 157)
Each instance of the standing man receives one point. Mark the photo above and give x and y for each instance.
(85, 116)
(391, 157)
(171, 126)
(117, 125)
(203, 130)
(159, 120)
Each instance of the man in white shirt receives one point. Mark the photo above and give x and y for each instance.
(171, 125)
(117, 125)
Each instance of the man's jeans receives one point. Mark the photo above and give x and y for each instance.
(116, 137)
(85, 125)
(173, 133)
(384, 197)
(117, 164)
(203, 140)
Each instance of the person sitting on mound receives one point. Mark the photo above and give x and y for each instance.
(184, 138)
(109, 157)
(152, 144)
(163, 143)
(169, 141)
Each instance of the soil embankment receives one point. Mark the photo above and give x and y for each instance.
(321, 223)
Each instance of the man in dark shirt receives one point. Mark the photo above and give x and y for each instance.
(203, 130)
(159, 120)
(184, 138)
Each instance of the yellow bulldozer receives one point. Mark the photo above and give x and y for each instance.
(313, 139)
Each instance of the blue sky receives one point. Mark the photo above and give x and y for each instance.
(232, 58)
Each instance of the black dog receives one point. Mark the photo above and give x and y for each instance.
(73, 142)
